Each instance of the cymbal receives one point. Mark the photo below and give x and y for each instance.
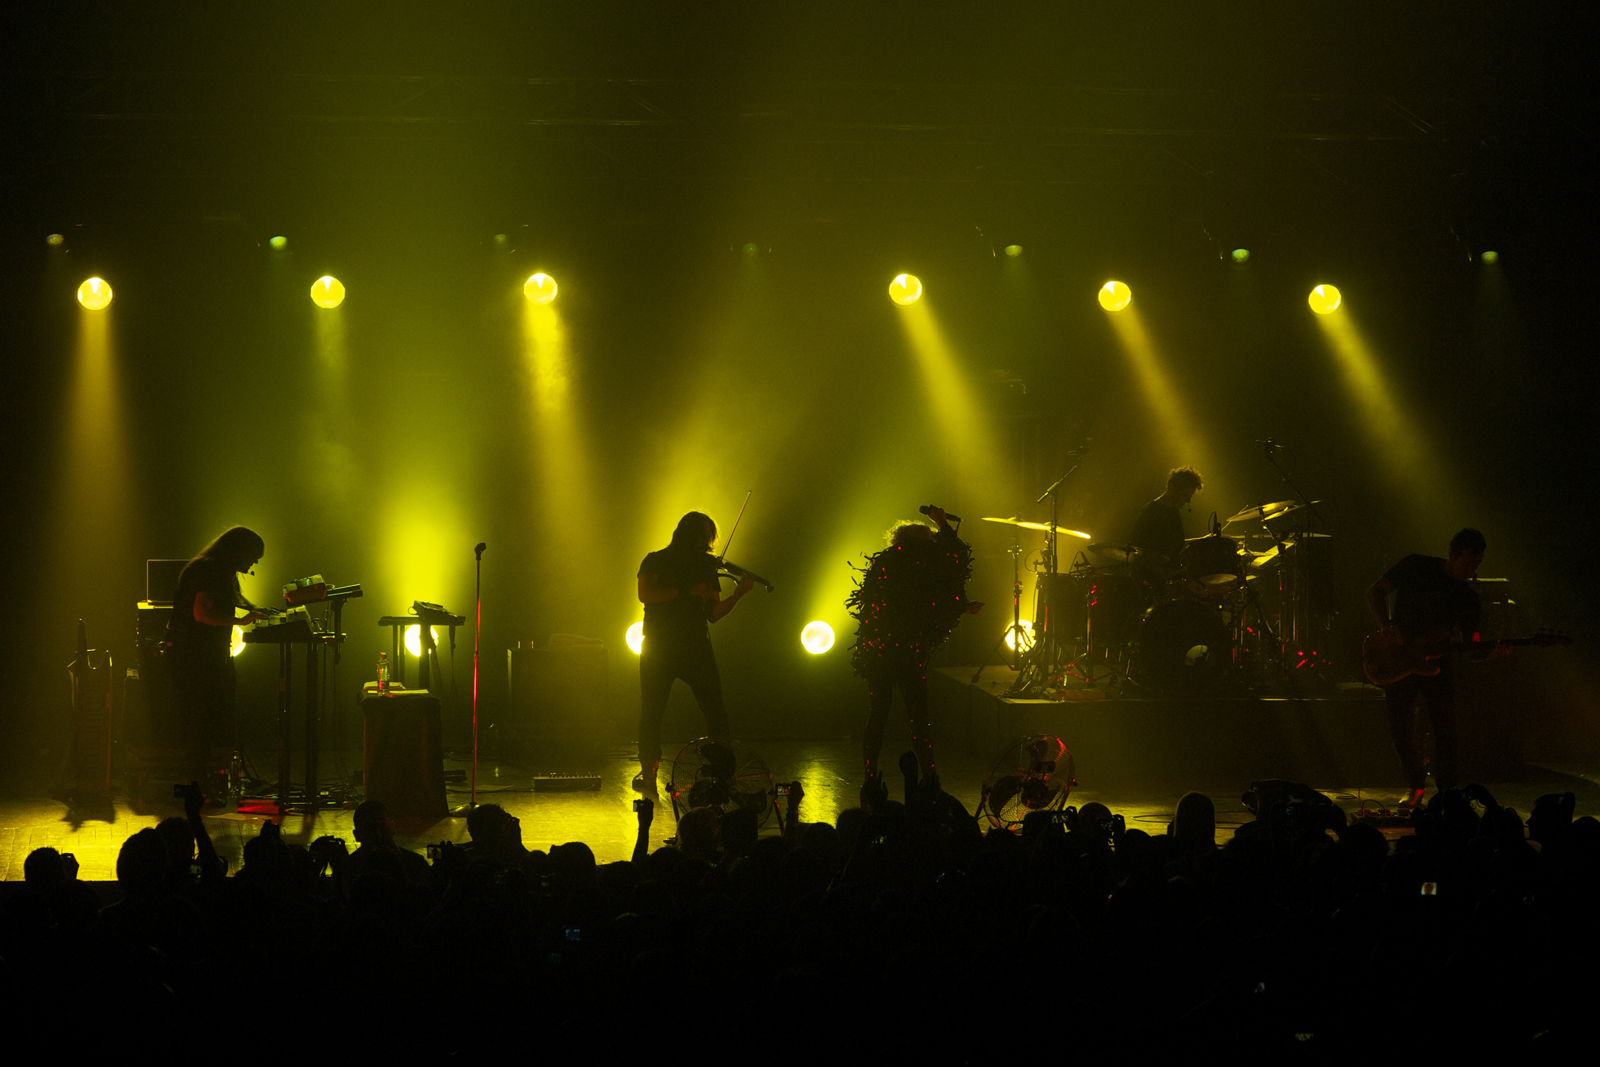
(1119, 553)
(1044, 526)
(1267, 512)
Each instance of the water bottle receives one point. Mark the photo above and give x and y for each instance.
(383, 672)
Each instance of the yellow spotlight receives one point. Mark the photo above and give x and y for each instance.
(237, 645)
(1323, 299)
(278, 243)
(635, 637)
(94, 294)
(55, 240)
(1114, 296)
(414, 639)
(541, 289)
(905, 289)
(1026, 635)
(1013, 250)
(1490, 257)
(327, 292)
(817, 637)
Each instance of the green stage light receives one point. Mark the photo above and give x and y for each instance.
(94, 294)
(327, 292)
(635, 638)
(55, 240)
(1490, 258)
(750, 248)
(1013, 250)
(1324, 299)
(1114, 296)
(541, 289)
(817, 637)
(905, 289)
(278, 243)
(1241, 255)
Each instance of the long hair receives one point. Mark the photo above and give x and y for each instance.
(689, 536)
(232, 545)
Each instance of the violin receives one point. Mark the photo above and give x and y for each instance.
(729, 569)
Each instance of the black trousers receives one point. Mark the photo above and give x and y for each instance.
(912, 681)
(202, 693)
(1400, 701)
(659, 666)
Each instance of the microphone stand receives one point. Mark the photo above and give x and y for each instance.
(477, 640)
(1051, 658)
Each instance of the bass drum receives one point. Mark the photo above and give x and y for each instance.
(1183, 647)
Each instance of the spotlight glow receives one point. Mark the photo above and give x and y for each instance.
(635, 638)
(1114, 296)
(1027, 636)
(541, 289)
(414, 639)
(1490, 257)
(94, 294)
(1013, 250)
(1241, 255)
(1324, 299)
(750, 248)
(817, 637)
(278, 243)
(905, 289)
(55, 240)
(327, 292)
(236, 646)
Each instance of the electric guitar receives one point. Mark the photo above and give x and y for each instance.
(1387, 658)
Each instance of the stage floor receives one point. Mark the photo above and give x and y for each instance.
(829, 771)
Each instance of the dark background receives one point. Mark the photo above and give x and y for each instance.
(632, 151)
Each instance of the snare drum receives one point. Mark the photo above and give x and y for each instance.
(1213, 565)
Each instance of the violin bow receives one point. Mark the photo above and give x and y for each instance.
(724, 553)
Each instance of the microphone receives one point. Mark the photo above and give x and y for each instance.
(478, 552)
(927, 509)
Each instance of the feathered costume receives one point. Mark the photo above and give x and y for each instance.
(907, 600)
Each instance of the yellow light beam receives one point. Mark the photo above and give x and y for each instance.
(959, 422)
(1166, 404)
(561, 457)
(1403, 450)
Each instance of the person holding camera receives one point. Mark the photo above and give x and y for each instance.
(910, 596)
(199, 635)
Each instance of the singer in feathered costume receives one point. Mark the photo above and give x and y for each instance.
(907, 600)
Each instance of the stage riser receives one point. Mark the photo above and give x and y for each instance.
(1118, 744)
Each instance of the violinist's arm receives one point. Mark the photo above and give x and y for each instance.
(720, 607)
(651, 593)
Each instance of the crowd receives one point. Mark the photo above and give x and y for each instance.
(905, 929)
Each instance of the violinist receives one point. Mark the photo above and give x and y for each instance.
(679, 589)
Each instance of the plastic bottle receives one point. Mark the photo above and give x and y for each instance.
(383, 672)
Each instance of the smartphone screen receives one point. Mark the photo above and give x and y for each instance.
(1430, 889)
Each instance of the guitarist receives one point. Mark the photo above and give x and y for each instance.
(1433, 601)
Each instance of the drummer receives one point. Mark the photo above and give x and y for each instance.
(1158, 532)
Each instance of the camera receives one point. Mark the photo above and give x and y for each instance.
(638, 804)
(435, 851)
(783, 790)
(180, 791)
(1430, 889)
(574, 934)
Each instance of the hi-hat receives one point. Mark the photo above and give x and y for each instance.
(1045, 526)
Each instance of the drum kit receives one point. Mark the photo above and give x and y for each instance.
(1235, 612)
